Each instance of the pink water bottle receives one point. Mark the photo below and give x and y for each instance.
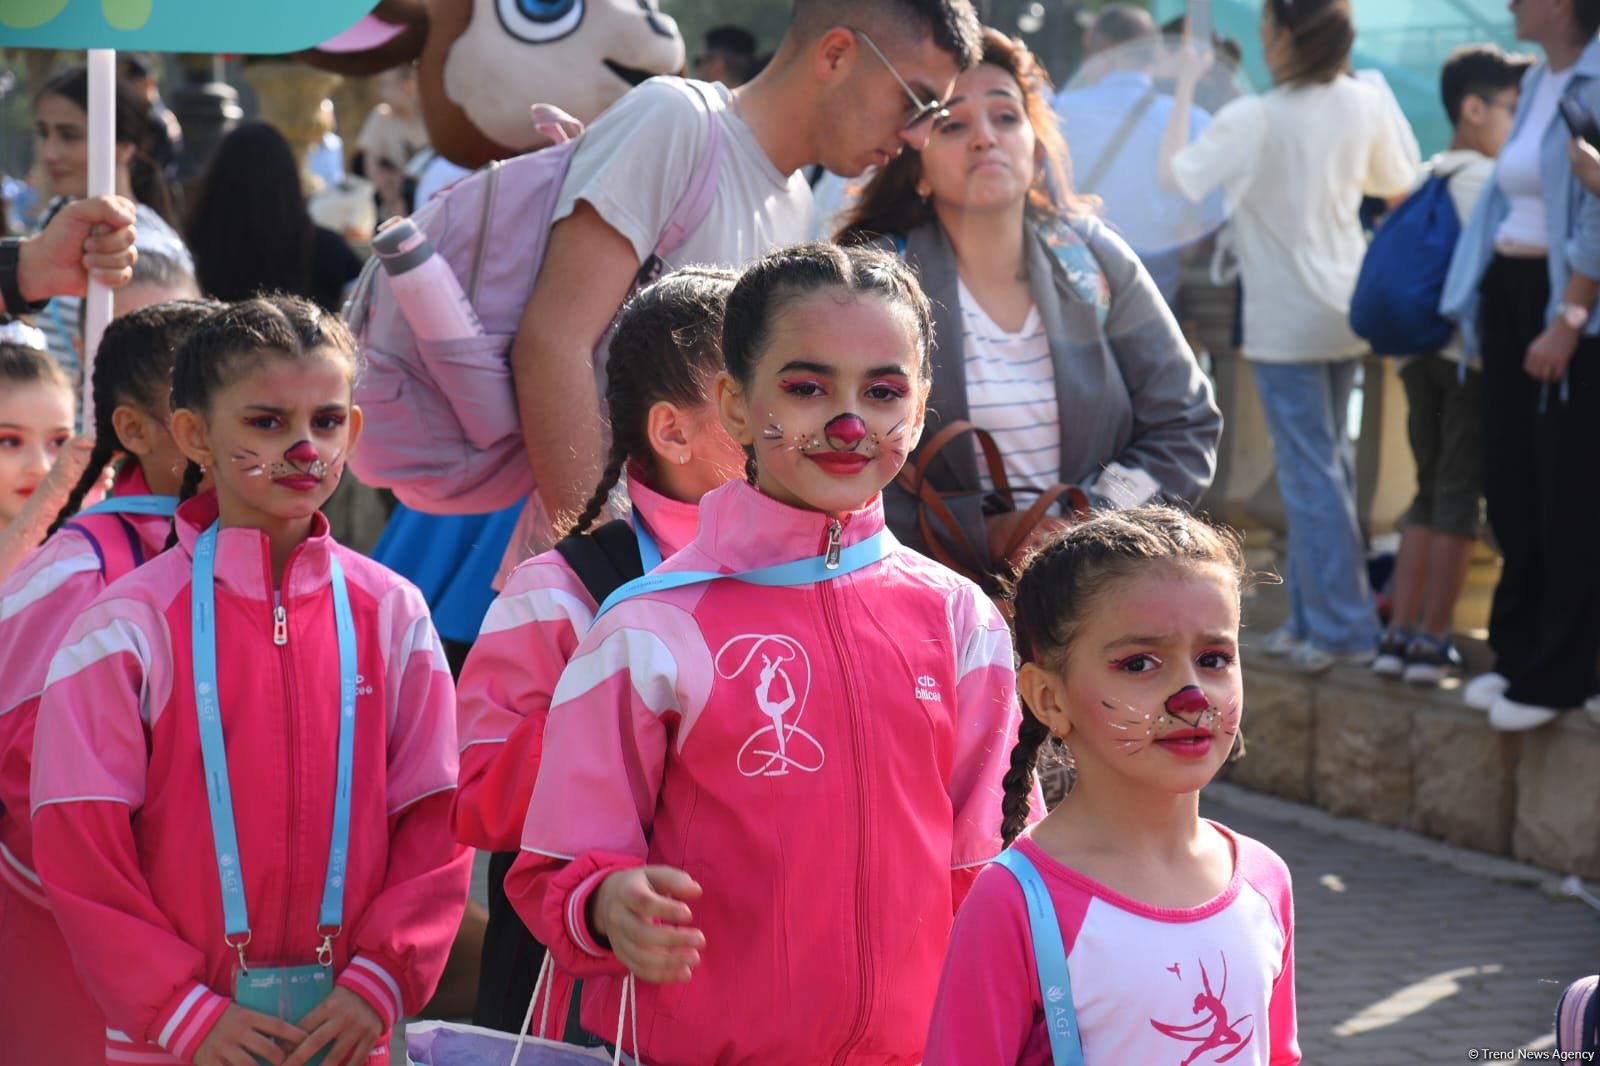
(428, 292)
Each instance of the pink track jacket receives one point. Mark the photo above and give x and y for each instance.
(122, 833)
(824, 759)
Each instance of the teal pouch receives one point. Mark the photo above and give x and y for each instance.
(286, 992)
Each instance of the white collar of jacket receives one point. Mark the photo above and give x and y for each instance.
(742, 529)
(244, 555)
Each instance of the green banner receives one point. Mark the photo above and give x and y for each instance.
(264, 27)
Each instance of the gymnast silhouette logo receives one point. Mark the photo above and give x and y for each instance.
(780, 746)
(1214, 1032)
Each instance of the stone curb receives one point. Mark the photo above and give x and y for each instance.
(1413, 845)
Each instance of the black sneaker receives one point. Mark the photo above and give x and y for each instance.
(1391, 660)
(1429, 660)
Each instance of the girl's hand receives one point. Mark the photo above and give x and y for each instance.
(1550, 353)
(242, 1033)
(641, 913)
(1585, 163)
(345, 1024)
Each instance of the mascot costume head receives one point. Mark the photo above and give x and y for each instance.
(482, 64)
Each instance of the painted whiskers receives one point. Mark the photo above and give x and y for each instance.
(300, 460)
(843, 433)
(1188, 708)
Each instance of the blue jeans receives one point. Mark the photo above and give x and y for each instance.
(1307, 405)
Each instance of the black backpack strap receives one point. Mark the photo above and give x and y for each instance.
(604, 559)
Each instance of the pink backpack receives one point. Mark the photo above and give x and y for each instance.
(442, 428)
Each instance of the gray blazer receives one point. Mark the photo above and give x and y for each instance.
(1129, 392)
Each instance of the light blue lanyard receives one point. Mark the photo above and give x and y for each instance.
(165, 506)
(219, 795)
(649, 551)
(1050, 955)
(800, 572)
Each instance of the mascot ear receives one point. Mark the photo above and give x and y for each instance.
(393, 34)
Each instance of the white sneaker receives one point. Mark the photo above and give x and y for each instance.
(1483, 690)
(1279, 642)
(1310, 659)
(1509, 716)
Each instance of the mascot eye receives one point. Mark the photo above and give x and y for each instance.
(539, 21)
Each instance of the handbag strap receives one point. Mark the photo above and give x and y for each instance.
(912, 478)
(1048, 498)
(1050, 957)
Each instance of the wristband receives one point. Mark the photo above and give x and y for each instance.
(10, 289)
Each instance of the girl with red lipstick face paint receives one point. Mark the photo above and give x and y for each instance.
(762, 802)
(1178, 931)
(264, 690)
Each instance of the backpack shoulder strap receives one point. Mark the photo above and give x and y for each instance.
(696, 202)
(115, 543)
(1050, 955)
(604, 559)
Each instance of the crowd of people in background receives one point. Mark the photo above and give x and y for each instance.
(953, 456)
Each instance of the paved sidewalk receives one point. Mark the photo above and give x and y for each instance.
(1411, 951)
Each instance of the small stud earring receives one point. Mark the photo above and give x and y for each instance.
(682, 459)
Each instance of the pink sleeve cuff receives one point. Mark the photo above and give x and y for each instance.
(370, 980)
(186, 1021)
(578, 910)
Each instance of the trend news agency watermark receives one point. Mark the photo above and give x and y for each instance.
(1483, 1054)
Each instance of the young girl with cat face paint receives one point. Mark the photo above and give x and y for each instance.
(245, 751)
(763, 797)
(1178, 932)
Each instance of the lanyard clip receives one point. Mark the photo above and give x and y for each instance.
(325, 949)
(239, 943)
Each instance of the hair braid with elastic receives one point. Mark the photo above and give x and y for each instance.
(1018, 781)
(615, 461)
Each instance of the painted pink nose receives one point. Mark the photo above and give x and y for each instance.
(846, 430)
(1188, 700)
(304, 452)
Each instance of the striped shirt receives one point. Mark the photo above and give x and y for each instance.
(1011, 392)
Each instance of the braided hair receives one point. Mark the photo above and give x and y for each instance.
(667, 347)
(233, 340)
(132, 367)
(1068, 578)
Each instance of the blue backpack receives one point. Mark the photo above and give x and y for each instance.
(1395, 307)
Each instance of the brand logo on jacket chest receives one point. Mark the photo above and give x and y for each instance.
(928, 689)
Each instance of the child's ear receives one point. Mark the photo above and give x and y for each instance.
(357, 420)
(668, 431)
(1044, 691)
(914, 435)
(733, 410)
(135, 430)
(193, 440)
(1473, 108)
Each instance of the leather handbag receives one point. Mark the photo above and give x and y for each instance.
(991, 566)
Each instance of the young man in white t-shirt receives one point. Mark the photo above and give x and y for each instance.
(850, 86)
(1439, 533)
